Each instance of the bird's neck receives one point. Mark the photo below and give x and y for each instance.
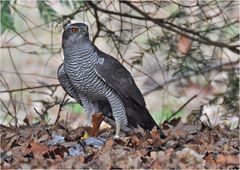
(82, 52)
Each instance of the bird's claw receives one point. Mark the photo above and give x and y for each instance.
(116, 137)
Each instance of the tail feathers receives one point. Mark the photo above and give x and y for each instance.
(162, 135)
(139, 115)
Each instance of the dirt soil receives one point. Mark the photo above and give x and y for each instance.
(58, 146)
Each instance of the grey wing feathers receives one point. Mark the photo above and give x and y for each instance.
(118, 77)
(66, 84)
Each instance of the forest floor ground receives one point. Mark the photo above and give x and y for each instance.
(58, 146)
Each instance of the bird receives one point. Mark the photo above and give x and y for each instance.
(100, 83)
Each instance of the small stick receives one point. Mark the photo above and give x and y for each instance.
(174, 114)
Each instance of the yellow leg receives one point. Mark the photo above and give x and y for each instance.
(118, 126)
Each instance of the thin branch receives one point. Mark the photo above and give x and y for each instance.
(60, 108)
(29, 88)
(167, 25)
(9, 112)
(179, 30)
(184, 105)
(205, 70)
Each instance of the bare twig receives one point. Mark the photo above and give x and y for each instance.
(29, 88)
(184, 105)
(205, 70)
(167, 25)
(60, 108)
(10, 113)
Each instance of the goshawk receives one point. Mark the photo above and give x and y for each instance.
(99, 82)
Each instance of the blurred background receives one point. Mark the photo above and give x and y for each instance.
(183, 55)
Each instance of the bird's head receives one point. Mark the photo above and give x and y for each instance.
(74, 34)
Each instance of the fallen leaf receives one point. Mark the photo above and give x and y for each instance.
(56, 139)
(94, 142)
(104, 157)
(155, 137)
(190, 158)
(108, 145)
(96, 122)
(182, 130)
(7, 139)
(38, 148)
(60, 150)
(10, 143)
(43, 138)
(183, 148)
(228, 159)
(76, 150)
(134, 141)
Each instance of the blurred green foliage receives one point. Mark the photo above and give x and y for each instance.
(75, 108)
(7, 118)
(74, 3)
(165, 114)
(231, 97)
(7, 22)
(47, 13)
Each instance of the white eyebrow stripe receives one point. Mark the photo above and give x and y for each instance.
(70, 25)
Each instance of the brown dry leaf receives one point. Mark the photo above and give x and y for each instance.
(76, 134)
(96, 122)
(169, 152)
(154, 155)
(61, 150)
(222, 160)
(137, 151)
(155, 137)
(210, 161)
(134, 141)
(182, 130)
(184, 44)
(12, 140)
(104, 156)
(156, 165)
(188, 158)
(44, 150)
(228, 159)
(71, 163)
(144, 144)
(174, 122)
(119, 154)
(203, 148)
(161, 161)
(7, 139)
(135, 162)
(38, 148)
(43, 138)
(108, 146)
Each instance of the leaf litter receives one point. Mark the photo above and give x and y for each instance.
(60, 147)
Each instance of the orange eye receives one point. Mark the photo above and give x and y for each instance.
(74, 29)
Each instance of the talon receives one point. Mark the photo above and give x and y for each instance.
(116, 137)
(117, 130)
